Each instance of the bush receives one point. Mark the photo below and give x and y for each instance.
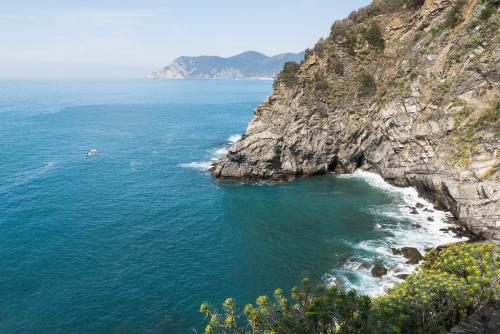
(490, 119)
(320, 85)
(338, 67)
(374, 36)
(414, 4)
(366, 84)
(320, 47)
(378, 7)
(289, 74)
(489, 8)
(318, 310)
(340, 29)
(449, 285)
(455, 14)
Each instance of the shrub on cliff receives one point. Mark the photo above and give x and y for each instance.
(455, 14)
(289, 74)
(318, 310)
(366, 84)
(449, 285)
(415, 3)
(378, 7)
(338, 67)
(374, 36)
(340, 29)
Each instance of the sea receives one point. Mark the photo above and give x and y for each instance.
(134, 238)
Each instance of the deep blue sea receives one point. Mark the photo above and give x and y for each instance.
(133, 239)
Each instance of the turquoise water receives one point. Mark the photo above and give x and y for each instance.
(134, 239)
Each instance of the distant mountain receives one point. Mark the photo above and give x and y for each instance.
(246, 65)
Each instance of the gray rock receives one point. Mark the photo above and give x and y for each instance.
(412, 254)
(484, 321)
(409, 139)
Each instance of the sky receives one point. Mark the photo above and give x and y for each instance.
(129, 39)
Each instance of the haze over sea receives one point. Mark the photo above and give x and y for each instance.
(135, 238)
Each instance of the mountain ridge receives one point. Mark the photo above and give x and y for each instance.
(243, 66)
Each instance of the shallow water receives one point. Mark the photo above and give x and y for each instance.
(135, 238)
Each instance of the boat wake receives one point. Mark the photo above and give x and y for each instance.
(25, 177)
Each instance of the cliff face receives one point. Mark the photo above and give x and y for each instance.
(410, 93)
(246, 65)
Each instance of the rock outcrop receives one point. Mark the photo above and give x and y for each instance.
(409, 93)
(484, 321)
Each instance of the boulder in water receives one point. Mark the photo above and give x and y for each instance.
(379, 270)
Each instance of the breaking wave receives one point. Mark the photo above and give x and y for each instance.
(215, 153)
(412, 223)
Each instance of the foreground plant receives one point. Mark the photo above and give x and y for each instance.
(449, 285)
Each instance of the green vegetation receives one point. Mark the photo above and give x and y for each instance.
(378, 7)
(289, 74)
(402, 85)
(490, 119)
(484, 129)
(455, 14)
(482, 26)
(320, 85)
(366, 83)
(415, 3)
(374, 36)
(338, 67)
(449, 285)
(487, 8)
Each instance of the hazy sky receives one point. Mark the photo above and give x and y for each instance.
(122, 38)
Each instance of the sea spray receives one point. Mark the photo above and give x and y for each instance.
(215, 153)
(419, 225)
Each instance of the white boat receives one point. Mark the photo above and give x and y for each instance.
(92, 152)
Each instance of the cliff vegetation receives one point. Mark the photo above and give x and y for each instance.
(449, 285)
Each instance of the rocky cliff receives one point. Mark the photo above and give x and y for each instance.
(405, 88)
(246, 65)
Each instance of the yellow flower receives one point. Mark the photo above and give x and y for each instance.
(203, 307)
(208, 330)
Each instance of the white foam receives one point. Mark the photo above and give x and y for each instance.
(215, 154)
(409, 230)
(234, 138)
(199, 165)
(134, 164)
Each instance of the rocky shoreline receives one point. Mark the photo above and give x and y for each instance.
(410, 108)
